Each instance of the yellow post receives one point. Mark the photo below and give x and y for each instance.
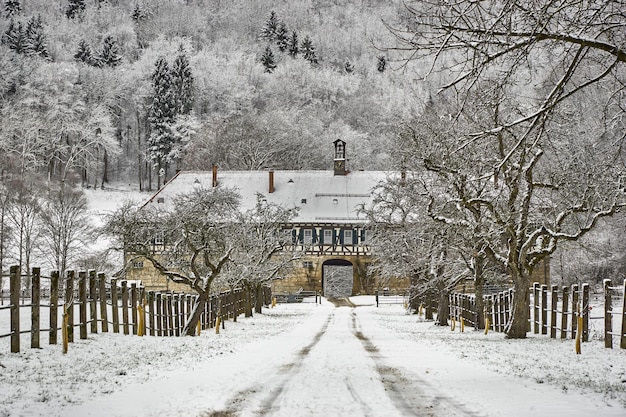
(217, 325)
(462, 324)
(486, 325)
(64, 331)
(199, 327)
(453, 324)
(140, 310)
(273, 302)
(579, 331)
(421, 309)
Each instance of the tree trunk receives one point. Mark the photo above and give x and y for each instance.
(518, 326)
(443, 307)
(196, 311)
(258, 298)
(479, 262)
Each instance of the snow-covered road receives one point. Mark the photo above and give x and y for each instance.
(340, 362)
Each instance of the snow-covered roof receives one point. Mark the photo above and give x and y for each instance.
(321, 196)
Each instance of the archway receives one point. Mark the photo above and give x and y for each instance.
(337, 278)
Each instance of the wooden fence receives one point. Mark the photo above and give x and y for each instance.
(94, 304)
(554, 311)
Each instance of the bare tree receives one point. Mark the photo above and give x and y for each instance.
(195, 240)
(65, 227)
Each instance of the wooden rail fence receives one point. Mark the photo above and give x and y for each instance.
(552, 311)
(94, 304)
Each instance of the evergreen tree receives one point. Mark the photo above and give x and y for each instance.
(13, 37)
(282, 38)
(12, 8)
(75, 8)
(268, 60)
(138, 14)
(110, 55)
(182, 83)
(35, 42)
(381, 64)
(271, 27)
(294, 44)
(308, 50)
(162, 116)
(348, 67)
(84, 54)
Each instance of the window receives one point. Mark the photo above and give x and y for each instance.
(307, 264)
(328, 237)
(159, 239)
(308, 236)
(160, 200)
(137, 264)
(364, 236)
(347, 237)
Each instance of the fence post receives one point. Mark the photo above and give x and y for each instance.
(133, 306)
(125, 320)
(176, 313)
(54, 307)
(14, 286)
(150, 304)
(115, 308)
(69, 305)
(159, 314)
(554, 301)
(564, 312)
(622, 343)
(575, 296)
(170, 316)
(34, 316)
(608, 319)
(544, 309)
(103, 302)
(82, 298)
(585, 312)
(536, 296)
(93, 310)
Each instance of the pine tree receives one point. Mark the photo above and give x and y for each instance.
(35, 42)
(13, 37)
(268, 60)
(110, 55)
(161, 116)
(271, 27)
(308, 50)
(12, 8)
(381, 63)
(182, 83)
(348, 67)
(282, 38)
(75, 8)
(294, 44)
(84, 53)
(138, 14)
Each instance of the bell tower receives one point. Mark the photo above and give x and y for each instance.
(340, 157)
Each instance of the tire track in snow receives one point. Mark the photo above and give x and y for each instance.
(287, 370)
(408, 393)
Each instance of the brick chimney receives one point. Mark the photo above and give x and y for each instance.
(214, 183)
(271, 178)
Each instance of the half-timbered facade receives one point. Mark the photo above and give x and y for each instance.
(329, 230)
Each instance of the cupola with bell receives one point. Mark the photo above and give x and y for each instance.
(339, 162)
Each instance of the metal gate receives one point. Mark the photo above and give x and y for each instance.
(338, 281)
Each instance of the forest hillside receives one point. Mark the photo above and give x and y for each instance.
(92, 90)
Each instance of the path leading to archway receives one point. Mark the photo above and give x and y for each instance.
(341, 361)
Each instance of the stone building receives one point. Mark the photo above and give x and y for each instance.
(328, 230)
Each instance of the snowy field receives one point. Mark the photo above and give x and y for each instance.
(308, 360)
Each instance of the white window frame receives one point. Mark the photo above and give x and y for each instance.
(347, 237)
(328, 236)
(159, 239)
(307, 236)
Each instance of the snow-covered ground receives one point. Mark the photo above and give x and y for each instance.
(309, 360)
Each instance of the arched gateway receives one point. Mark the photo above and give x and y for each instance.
(337, 278)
